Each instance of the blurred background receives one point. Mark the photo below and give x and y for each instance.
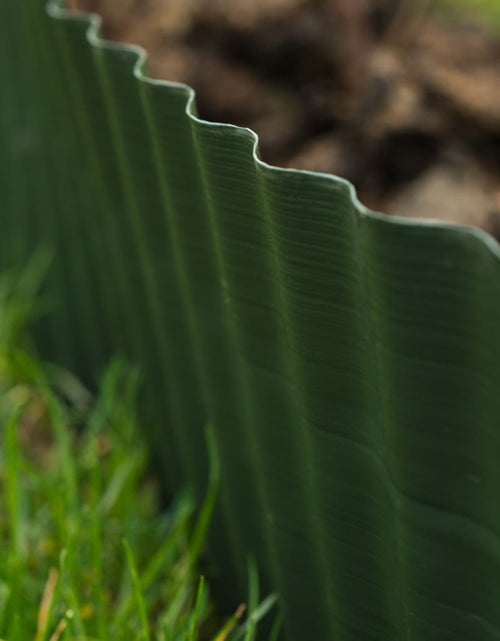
(401, 97)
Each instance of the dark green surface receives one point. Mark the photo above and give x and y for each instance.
(349, 362)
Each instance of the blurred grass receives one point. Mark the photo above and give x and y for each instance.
(486, 12)
(86, 552)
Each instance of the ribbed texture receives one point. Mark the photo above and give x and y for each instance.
(349, 362)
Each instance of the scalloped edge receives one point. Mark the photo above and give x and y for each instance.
(56, 10)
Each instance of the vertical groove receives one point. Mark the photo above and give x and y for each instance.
(71, 245)
(379, 406)
(8, 169)
(300, 428)
(185, 289)
(108, 263)
(17, 202)
(153, 295)
(40, 208)
(247, 419)
(112, 263)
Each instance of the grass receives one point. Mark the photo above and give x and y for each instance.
(86, 551)
(481, 11)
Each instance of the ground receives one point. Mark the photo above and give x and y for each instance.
(400, 100)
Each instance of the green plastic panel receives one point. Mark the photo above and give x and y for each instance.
(349, 362)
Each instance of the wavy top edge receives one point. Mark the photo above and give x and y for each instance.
(56, 9)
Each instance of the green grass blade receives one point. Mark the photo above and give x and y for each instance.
(96, 540)
(12, 461)
(277, 628)
(195, 617)
(253, 599)
(141, 606)
(249, 628)
(205, 516)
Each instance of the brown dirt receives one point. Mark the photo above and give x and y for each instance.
(383, 93)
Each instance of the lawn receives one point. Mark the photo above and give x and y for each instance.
(486, 11)
(88, 550)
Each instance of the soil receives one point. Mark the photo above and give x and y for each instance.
(404, 104)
